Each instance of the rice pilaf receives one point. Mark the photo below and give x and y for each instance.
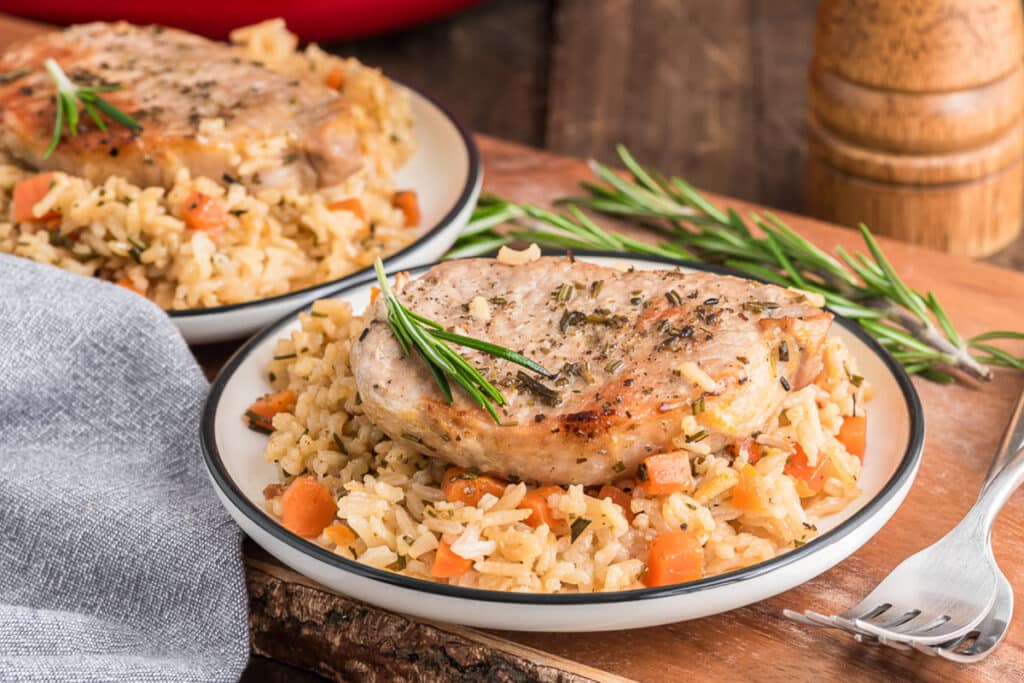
(394, 509)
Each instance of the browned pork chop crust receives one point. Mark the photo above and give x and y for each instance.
(634, 350)
(173, 80)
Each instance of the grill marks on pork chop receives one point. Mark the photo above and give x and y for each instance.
(634, 352)
(172, 81)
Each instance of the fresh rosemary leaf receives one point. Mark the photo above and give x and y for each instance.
(428, 338)
(578, 526)
(69, 96)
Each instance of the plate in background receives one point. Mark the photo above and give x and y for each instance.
(446, 174)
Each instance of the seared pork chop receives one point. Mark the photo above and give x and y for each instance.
(277, 130)
(637, 354)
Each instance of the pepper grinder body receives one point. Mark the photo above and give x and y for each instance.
(915, 121)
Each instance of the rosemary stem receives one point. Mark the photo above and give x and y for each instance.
(64, 83)
(960, 357)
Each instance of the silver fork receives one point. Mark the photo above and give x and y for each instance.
(979, 642)
(928, 601)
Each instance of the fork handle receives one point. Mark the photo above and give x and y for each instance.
(996, 493)
(1013, 438)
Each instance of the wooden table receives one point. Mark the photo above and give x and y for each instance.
(301, 623)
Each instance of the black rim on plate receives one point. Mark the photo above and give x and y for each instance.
(905, 470)
(359, 276)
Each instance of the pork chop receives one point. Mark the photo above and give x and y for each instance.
(643, 358)
(277, 130)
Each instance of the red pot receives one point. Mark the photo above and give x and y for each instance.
(321, 20)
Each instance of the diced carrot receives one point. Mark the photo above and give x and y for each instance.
(127, 283)
(746, 447)
(853, 434)
(335, 78)
(409, 203)
(619, 497)
(665, 473)
(307, 507)
(352, 204)
(260, 415)
(340, 534)
(537, 502)
(27, 194)
(674, 557)
(203, 212)
(461, 485)
(812, 478)
(448, 565)
(272, 491)
(374, 293)
(746, 495)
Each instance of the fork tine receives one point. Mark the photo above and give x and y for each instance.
(812, 618)
(798, 617)
(894, 619)
(942, 634)
(979, 649)
(894, 644)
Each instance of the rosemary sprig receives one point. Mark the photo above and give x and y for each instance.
(912, 325)
(428, 338)
(70, 96)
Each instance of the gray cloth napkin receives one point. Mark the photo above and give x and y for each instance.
(116, 560)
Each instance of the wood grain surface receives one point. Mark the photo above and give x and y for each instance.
(311, 626)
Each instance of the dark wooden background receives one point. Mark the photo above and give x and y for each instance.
(711, 90)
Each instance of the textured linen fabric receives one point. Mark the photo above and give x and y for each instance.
(116, 560)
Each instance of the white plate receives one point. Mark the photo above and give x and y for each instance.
(444, 171)
(234, 458)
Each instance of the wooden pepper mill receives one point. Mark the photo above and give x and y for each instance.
(915, 125)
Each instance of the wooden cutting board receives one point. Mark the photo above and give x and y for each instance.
(297, 621)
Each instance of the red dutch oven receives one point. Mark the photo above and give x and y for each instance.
(321, 20)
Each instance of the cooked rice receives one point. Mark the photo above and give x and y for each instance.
(391, 496)
(276, 240)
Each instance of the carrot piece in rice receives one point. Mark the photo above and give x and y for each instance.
(746, 447)
(448, 565)
(352, 205)
(27, 194)
(409, 203)
(665, 473)
(537, 502)
(461, 485)
(260, 415)
(203, 212)
(619, 497)
(812, 478)
(335, 78)
(674, 557)
(307, 507)
(128, 284)
(746, 495)
(341, 535)
(853, 434)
